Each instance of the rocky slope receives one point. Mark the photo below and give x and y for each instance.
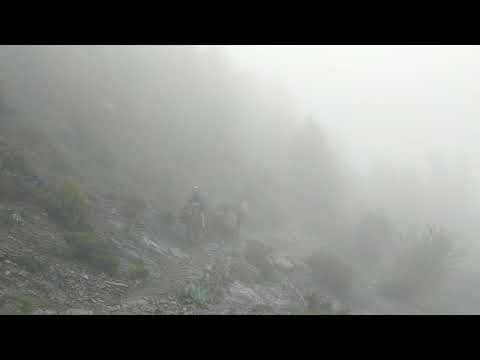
(39, 274)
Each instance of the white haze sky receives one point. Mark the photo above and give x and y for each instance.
(410, 104)
(412, 109)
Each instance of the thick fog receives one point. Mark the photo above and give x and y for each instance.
(404, 117)
(318, 139)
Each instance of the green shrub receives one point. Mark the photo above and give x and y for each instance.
(68, 204)
(24, 305)
(9, 217)
(106, 262)
(11, 189)
(332, 271)
(138, 271)
(87, 248)
(30, 263)
(193, 295)
(15, 162)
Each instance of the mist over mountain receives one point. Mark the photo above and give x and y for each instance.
(359, 150)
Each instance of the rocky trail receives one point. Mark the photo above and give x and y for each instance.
(38, 277)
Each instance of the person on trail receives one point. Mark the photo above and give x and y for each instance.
(197, 198)
(195, 212)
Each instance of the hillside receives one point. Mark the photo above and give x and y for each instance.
(146, 267)
(100, 148)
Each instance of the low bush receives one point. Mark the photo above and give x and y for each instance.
(66, 203)
(193, 295)
(87, 248)
(30, 263)
(9, 217)
(24, 304)
(11, 189)
(138, 271)
(15, 162)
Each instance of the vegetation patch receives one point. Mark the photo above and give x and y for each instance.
(66, 203)
(138, 271)
(99, 254)
(15, 162)
(30, 263)
(10, 188)
(193, 294)
(23, 304)
(9, 217)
